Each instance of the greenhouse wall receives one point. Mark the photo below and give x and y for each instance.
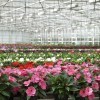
(12, 37)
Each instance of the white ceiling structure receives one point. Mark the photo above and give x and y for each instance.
(38, 15)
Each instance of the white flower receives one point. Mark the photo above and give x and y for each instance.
(1, 64)
(38, 59)
(21, 59)
(48, 59)
(17, 58)
(68, 58)
(80, 59)
(53, 59)
(27, 59)
(9, 59)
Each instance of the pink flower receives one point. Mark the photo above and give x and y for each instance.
(35, 78)
(44, 72)
(24, 72)
(78, 75)
(96, 70)
(91, 97)
(87, 77)
(42, 84)
(0, 74)
(84, 64)
(82, 93)
(86, 92)
(31, 91)
(12, 79)
(89, 80)
(70, 70)
(59, 62)
(95, 85)
(64, 67)
(89, 91)
(16, 71)
(97, 78)
(56, 71)
(7, 71)
(85, 71)
(27, 83)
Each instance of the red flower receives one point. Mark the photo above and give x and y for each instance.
(21, 66)
(15, 64)
(29, 65)
(49, 64)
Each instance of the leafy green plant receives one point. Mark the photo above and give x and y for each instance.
(5, 87)
(62, 86)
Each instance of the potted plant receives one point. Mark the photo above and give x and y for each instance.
(33, 83)
(61, 86)
(7, 83)
(5, 86)
(75, 82)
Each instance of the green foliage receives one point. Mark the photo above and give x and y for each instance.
(4, 87)
(62, 85)
(76, 57)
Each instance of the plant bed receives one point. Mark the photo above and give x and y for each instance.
(63, 80)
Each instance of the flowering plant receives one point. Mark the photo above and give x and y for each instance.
(41, 58)
(7, 83)
(62, 86)
(33, 82)
(74, 81)
(61, 78)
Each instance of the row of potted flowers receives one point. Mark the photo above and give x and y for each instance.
(40, 58)
(62, 80)
(52, 46)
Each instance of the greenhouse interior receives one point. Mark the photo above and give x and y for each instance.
(49, 49)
